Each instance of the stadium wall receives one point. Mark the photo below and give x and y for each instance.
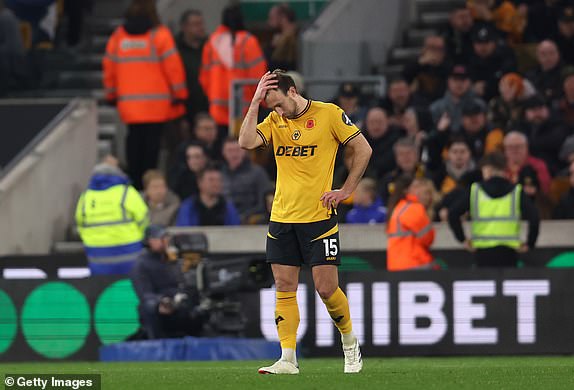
(38, 194)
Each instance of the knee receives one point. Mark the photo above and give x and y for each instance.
(285, 284)
(326, 291)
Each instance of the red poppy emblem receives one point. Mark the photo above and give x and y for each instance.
(310, 123)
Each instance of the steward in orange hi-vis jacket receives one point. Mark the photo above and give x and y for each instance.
(144, 76)
(410, 235)
(231, 53)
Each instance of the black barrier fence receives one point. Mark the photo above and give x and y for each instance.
(527, 311)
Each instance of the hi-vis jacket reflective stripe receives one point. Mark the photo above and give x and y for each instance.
(111, 223)
(410, 235)
(145, 75)
(221, 63)
(495, 221)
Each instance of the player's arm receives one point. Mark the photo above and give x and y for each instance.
(248, 136)
(360, 155)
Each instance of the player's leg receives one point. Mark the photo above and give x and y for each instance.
(326, 281)
(320, 248)
(285, 259)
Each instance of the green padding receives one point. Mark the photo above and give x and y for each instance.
(116, 314)
(257, 11)
(563, 260)
(8, 322)
(56, 320)
(349, 263)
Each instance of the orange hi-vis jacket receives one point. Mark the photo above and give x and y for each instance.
(145, 75)
(410, 235)
(222, 62)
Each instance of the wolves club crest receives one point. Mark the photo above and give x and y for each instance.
(296, 135)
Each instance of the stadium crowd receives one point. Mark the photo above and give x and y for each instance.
(498, 78)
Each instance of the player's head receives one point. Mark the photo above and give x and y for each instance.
(282, 98)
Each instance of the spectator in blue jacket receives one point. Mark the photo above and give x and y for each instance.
(209, 207)
(368, 207)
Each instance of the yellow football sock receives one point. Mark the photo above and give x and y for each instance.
(287, 318)
(338, 308)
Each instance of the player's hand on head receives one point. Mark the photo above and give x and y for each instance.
(267, 82)
(333, 198)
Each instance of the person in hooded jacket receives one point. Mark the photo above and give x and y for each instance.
(111, 218)
(496, 208)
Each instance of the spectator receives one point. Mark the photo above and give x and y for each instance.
(231, 53)
(496, 207)
(111, 217)
(565, 208)
(263, 218)
(565, 106)
(283, 51)
(506, 110)
(545, 134)
(42, 16)
(398, 100)
(564, 37)
(165, 310)
(547, 76)
(190, 43)
(348, 99)
(449, 107)
(12, 56)
(458, 35)
(520, 164)
(427, 76)
(567, 150)
(406, 155)
(205, 132)
(184, 179)
(503, 15)
(489, 62)
(411, 123)
(410, 231)
(244, 182)
(381, 136)
(162, 203)
(368, 207)
(458, 162)
(209, 207)
(542, 19)
(476, 130)
(144, 76)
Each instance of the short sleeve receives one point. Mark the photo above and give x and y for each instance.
(264, 129)
(343, 129)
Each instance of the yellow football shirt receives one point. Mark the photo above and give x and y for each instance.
(305, 149)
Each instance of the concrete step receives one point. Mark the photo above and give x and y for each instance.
(80, 79)
(416, 36)
(437, 5)
(107, 115)
(107, 131)
(98, 43)
(403, 55)
(433, 19)
(103, 25)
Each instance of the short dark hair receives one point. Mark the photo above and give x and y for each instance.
(187, 13)
(495, 160)
(285, 10)
(201, 116)
(284, 81)
(230, 140)
(208, 168)
(458, 139)
(407, 142)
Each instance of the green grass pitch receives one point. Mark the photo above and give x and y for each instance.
(533, 372)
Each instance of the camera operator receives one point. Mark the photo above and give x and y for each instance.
(166, 308)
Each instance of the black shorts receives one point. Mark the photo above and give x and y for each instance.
(313, 243)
